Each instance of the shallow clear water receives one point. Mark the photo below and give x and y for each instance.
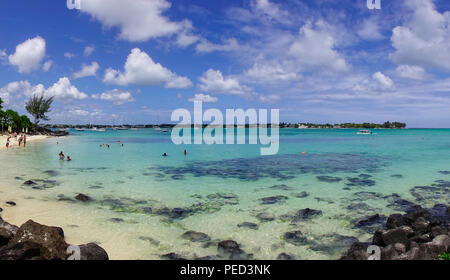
(135, 190)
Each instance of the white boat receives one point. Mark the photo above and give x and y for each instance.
(157, 128)
(122, 128)
(364, 132)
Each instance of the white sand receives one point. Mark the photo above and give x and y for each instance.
(14, 143)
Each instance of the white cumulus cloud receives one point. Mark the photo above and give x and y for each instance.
(315, 47)
(88, 50)
(64, 90)
(140, 69)
(205, 98)
(47, 65)
(383, 80)
(115, 96)
(137, 20)
(69, 55)
(214, 82)
(28, 55)
(206, 47)
(411, 72)
(424, 39)
(87, 70)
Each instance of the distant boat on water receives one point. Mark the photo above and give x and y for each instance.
(122, 128)
(98, 129)
(364, 132)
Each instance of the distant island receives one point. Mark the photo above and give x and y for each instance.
(345, 125)
(393, 125)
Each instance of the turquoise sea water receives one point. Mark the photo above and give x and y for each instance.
(143, 203)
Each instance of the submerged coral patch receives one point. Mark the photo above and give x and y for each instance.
(281, 167)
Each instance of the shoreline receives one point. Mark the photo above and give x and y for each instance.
(14, 143)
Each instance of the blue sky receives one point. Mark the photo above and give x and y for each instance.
(118, 61)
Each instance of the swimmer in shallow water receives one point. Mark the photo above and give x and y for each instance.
(61, 156)
(185, 152)
(164, 155)
(68, 158)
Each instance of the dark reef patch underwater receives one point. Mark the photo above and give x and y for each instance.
(281, 167)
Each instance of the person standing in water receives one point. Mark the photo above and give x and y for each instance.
(185, 152)
(61, 156)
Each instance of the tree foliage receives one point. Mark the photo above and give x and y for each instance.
(38, 107)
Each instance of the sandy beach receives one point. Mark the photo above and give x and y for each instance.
(14, 143)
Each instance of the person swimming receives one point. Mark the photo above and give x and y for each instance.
(164, 155)
(68, 158)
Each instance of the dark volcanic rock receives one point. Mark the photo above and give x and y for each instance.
(11, 203)
(421, 234)
(273, 199)
(32, 237)
(356, 181)
(93, 252)
(329, 179)
(195, 236)
(265, 217)
(369, 223)
(230, 249)
(33, 241)
(284, 256)
(300, 195)
(281, 187)
(117, 220)
(307, 214)
(7, 232)
(175, 213)
(248, 225)
(295, 237)
(397, 235)
(333, 243)
(396, 220)
(172, 256)
(29, 183)
(83, 197)
(358, 251)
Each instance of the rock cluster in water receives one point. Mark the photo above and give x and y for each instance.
(33, 241)
(421, 234)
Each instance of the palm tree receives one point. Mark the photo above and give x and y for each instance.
(38, 107)
(1, 102)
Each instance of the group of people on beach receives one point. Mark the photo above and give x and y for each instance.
(22, 139)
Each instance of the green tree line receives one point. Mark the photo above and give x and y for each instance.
(10, 118)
